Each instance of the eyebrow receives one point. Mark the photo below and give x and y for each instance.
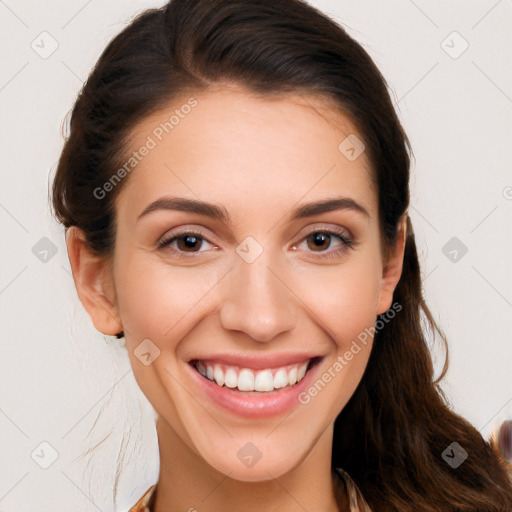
(220, 213)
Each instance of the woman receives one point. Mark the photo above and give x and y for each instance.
(235, 189)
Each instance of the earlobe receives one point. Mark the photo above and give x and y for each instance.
(393, 268)
(93, 282)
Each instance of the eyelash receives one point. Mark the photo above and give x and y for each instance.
(347, 242)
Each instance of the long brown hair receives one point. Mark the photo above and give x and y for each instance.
(391, 435)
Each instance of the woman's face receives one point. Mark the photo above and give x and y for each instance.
(261, 280)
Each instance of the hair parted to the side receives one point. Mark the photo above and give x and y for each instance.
(391, 434)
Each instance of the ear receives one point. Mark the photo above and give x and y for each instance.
(392, 269)
(94, 283)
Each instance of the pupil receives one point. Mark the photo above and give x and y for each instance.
(319, 238)
(190, 241)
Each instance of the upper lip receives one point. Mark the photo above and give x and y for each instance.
(257, 361)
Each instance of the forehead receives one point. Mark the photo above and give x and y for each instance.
(228, 142)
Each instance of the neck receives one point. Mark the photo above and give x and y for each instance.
(187, 483)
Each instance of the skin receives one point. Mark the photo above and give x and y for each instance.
(259, 158)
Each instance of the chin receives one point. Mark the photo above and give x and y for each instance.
(242, 460)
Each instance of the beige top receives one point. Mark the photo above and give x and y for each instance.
(355, 499)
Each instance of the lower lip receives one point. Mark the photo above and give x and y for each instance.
(255, 404)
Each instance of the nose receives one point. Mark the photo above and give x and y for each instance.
(257, 300)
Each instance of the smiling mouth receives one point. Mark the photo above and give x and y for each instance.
(247, 379)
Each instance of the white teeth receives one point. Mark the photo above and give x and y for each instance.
(264, 381)
(201, 369)
(246, 379)
(218, 375)
(231, 380)
(301, 372)
(280, 378)
(292, 376)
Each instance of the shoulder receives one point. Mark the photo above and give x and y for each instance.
(355, 498)
(145, 501)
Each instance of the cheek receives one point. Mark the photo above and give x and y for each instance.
(344, 306)
(343, 298)
(157, 301)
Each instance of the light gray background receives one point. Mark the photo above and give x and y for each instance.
(65, 385)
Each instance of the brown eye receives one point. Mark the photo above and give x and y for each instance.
(323, 240)
(320, 240)
(327, 244)
(188, 243)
